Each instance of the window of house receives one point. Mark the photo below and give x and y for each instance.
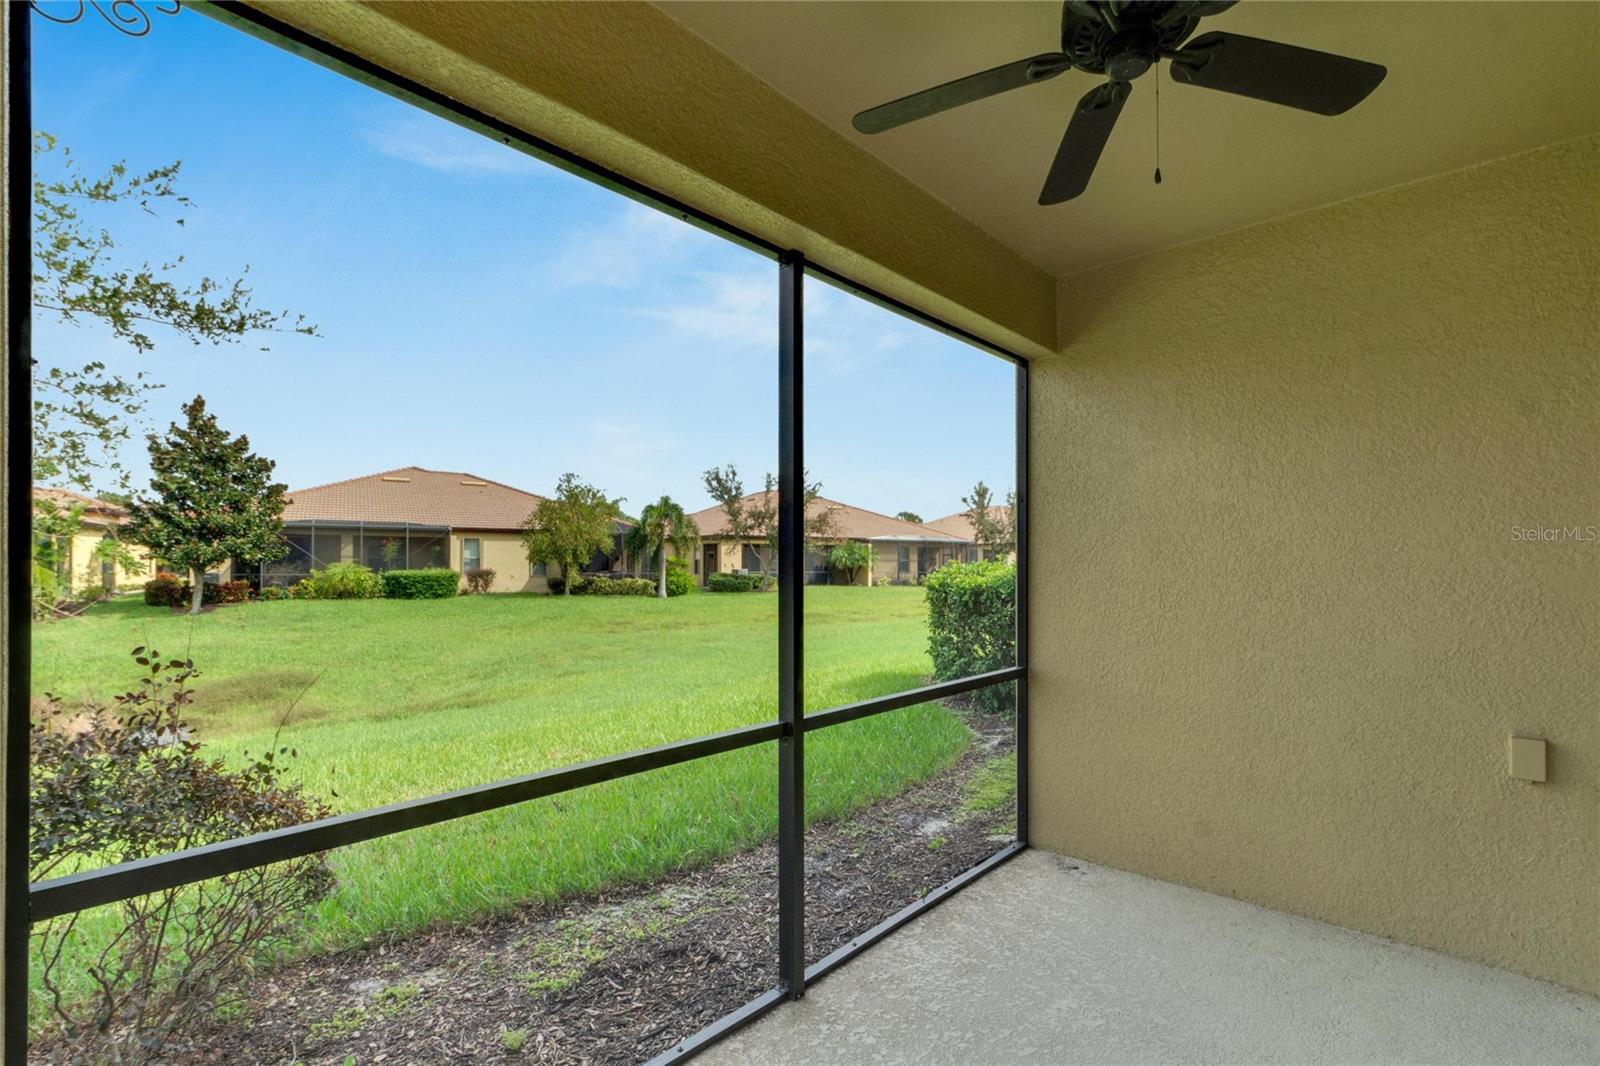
(540, 570)
(471, 554)
(903, 563)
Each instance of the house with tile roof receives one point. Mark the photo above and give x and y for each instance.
(79, 566)
(960, 525)
(902, 552)
(408, 519)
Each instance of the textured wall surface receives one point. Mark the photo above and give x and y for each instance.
(629, 88)
(1283, 625)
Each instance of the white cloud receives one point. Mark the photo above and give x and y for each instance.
(740, 309)
(654, 253)
(440, 145)
(616, 253)
(846, 336)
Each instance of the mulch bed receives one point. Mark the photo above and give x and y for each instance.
(620, 976)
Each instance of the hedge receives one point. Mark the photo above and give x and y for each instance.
(972, 626)
(236, 591)
(614, 586)
(164, 590)
(679, 583)
(438, 583)
(734, 582)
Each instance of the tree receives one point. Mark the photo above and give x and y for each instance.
(569, 527)
(850, 557)
(817, 526)
(996, 536)
(755, 518)
(636, 544)
(910, 516)
(83, 415)
(212, 499)
(664, 523)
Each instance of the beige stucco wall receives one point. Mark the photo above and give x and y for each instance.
(730, 556)
(505, 555)
(86, 572)
(1282, 625)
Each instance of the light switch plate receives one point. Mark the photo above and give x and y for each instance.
(1527, 758)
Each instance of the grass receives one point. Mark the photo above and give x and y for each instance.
(992, 786)
(395, 700)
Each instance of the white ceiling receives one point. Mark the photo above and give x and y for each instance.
(1467, 82)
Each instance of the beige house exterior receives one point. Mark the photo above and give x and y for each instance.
(960, 525)
(903, 552)
(409, 518)
(80, 568)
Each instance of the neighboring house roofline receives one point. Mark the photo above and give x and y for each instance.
(897, 528)
(96, 511)
(960, 525)
(417, 497)
(400, 470)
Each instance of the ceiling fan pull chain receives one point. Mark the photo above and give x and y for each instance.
(1158, 124)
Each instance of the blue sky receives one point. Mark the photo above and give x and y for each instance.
(480, 310)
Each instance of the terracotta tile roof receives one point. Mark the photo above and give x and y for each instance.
(420, 497)
(960, 525)
(96, 511)
(852, 523)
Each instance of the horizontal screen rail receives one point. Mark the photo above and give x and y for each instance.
(93, 888)
(944, 689)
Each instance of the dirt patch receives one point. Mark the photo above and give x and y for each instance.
(265, 688)
(620, 976)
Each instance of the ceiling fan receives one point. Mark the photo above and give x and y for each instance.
(1124, 38)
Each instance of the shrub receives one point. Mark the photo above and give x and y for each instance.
(735, 582)
(164, 590)
(614, 586)
(342, 581)
(605, 586)
(275, 592)
(210, 593)
(437, 583)
(117, 788)
(234, 591)
(679, 583)
(479, 581)
(972, 626)
(850, 558)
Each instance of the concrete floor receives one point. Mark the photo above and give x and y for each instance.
(1052, 960)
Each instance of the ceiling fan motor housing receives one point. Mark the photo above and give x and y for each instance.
(1143, 34)
(1131, 53)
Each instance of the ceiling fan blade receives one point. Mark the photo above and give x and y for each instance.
(1086, 137)
(961, 91)
(1278, 73)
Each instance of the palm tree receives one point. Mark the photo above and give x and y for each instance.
(636, 545)
(664, 523)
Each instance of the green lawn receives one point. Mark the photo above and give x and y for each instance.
(399, 699)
